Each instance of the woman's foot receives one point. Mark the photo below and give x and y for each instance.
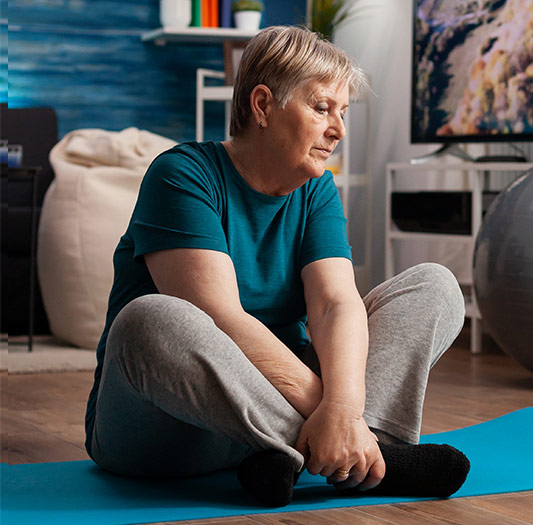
(427, 470)
(270, 476)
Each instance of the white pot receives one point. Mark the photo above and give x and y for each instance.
(175, 13)
(247, 20)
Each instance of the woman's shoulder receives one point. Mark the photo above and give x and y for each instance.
(187, 161)
(188, 154)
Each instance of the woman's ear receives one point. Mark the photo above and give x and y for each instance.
(261, 101)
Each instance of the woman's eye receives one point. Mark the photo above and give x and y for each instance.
(321, 109)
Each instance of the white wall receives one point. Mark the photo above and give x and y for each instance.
(380, 41)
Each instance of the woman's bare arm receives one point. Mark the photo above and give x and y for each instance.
(336, 436)
(339, 328)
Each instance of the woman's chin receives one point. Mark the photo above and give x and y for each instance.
(318, 170)
(319, 173)
(313, 171)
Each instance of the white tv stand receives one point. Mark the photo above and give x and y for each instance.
(447, 149)
(474, 179)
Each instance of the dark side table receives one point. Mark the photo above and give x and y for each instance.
(22, 176)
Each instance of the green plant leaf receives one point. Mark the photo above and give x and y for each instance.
(327, 15)
(246, 5)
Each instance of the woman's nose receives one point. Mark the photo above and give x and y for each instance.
(336, 128)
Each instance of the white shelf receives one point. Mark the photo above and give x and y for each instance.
(423, 236)
(462, 166)
(197, 35)
(354, 179)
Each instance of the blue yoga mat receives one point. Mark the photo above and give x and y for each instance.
(500, 451)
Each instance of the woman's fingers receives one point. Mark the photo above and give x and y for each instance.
(355, 477)
(314, 465)
(338, 469)
(357, 472)
(363, 478)
(302, 446)
(338, 475)
(375, 475)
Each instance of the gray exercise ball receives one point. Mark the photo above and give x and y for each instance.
(503, 270)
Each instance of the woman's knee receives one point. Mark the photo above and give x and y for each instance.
(443, 292)
(158, 327)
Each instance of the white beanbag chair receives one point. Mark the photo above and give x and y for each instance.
(85, 212)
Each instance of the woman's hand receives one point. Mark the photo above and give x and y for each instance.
(335, 437)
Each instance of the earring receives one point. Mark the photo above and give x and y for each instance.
(261, 125)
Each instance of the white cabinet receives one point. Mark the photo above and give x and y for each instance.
(468, 176)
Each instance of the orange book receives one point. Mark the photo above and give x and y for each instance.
(205, 13)
(214, 13)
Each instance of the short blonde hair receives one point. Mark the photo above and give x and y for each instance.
(285, 58)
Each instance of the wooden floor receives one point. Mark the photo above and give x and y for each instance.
(42, 420)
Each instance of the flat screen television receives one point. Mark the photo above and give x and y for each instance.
(472, 71)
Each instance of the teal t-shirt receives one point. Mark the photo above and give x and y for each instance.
(192, 196)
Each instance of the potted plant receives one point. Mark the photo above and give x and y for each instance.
(327, 15)
(247, 14)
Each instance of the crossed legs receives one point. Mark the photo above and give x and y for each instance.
(179, 398)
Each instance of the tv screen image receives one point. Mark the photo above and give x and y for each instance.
(472, 71)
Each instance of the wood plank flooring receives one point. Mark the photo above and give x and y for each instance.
(42, 420)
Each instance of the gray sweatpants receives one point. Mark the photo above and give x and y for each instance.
(178, 397)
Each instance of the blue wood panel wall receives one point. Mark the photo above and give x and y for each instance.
(3, 51)
(85, 59)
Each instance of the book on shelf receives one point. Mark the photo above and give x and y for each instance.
(224, 12)
(205, 13)
(209, 9)
(196, 19)
(211, 13)
(214, 13)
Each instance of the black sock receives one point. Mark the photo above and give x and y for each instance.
(411, 470)
(422, 470)
(270, 476)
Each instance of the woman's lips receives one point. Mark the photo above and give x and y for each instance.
(326, 152)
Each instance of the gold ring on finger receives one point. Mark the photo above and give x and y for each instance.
(340, 473)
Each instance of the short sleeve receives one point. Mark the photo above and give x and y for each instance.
(178, 206)
(325, 230)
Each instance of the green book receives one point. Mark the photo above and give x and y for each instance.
(196, 20)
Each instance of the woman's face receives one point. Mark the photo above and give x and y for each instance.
(307, 130)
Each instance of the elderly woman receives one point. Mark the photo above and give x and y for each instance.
(233, 251)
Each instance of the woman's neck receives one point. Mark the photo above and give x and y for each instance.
(256, 167)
